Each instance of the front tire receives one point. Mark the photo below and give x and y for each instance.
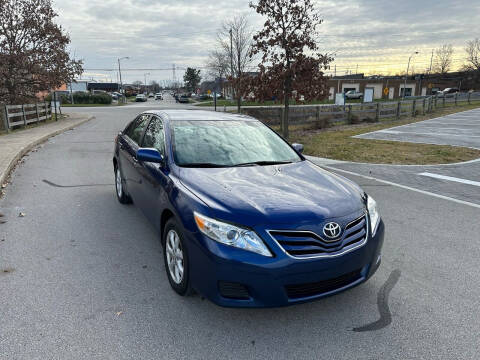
(175, 257)
(122, 197)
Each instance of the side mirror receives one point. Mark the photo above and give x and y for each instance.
(150, 155)
(298, 147)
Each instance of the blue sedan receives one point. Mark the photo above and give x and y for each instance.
(244, 219)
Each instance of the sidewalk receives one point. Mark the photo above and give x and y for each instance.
(14, 146)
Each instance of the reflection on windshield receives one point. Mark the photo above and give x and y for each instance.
(228, 143)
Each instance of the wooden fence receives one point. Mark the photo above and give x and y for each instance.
(322, 115)
(22, 115)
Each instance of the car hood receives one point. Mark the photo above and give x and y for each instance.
(276, 194)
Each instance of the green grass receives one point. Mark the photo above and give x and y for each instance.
(337, 143)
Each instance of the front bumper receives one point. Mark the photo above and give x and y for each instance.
(281, 280)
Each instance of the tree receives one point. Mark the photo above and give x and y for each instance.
(155, 86)
(443, 59)
(218, 64)
(289, 50)
(473, 55)
(192, 79)
(235, 42)
(33, 50)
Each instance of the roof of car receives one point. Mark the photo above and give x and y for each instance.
(198, 115)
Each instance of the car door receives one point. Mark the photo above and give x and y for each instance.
(154, 177)
(129, 144)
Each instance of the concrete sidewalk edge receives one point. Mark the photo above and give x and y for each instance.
(27, 148)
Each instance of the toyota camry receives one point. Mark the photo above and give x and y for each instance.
(243, 217)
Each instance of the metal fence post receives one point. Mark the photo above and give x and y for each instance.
(469, 94)
(46, 110)
(423, 110)
(377, 112)
(443, 100)
(317, 114)
(436, 101)
(24, 117)
(456, 98)
(398, 109)
(349, 115)
(414, 108)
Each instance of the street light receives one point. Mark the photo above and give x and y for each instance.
(145, 78)
(120, 71)
(406, 75)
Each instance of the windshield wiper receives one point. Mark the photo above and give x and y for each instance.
(263, 163)
(203, 165)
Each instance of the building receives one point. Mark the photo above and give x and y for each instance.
(392, 87)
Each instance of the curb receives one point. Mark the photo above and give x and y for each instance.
(27, 148)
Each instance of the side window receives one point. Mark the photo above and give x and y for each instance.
(136, 128)
(154, 136)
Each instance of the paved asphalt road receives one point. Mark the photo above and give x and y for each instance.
(82, 277)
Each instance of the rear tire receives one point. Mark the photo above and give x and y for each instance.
(122, 197)
(175, 256)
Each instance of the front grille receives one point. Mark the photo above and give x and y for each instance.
(297, 291)
(231, 290)
(306, 243)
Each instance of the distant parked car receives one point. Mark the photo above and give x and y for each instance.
(448, 92)
(150, 95)
(158, 96)
(183, 99)
(203, 97)
(140, 98)
(116, 95)
(353, 94)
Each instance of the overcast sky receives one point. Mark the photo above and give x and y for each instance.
(378, 35)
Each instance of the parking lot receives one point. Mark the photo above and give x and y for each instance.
(459, 129)
(83, 277)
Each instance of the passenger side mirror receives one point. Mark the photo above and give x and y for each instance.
(150, 155)
(298, 147)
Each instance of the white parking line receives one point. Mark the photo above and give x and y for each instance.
(450, 178)
(405, 187)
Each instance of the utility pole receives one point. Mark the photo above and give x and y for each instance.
(431, 62)
(357, 70)
(120, 73)
(145, 78)
(71, 92)
(406, 75)
(231, 59)
(335, 73)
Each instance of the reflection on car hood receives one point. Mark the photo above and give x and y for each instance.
(274, 194)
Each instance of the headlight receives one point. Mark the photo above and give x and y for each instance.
(374, 214)
(231, 235)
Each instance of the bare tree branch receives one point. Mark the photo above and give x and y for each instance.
(443, 59)
(473, 55)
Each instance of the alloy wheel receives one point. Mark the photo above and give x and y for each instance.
(118, 183)
(174, 256)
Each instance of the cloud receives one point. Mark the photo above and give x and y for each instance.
(376, 34)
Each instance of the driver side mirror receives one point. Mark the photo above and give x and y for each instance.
(298, 147)
(150, 155)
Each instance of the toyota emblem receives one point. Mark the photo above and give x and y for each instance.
(332, 230)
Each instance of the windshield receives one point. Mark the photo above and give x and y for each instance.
(228, 143)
